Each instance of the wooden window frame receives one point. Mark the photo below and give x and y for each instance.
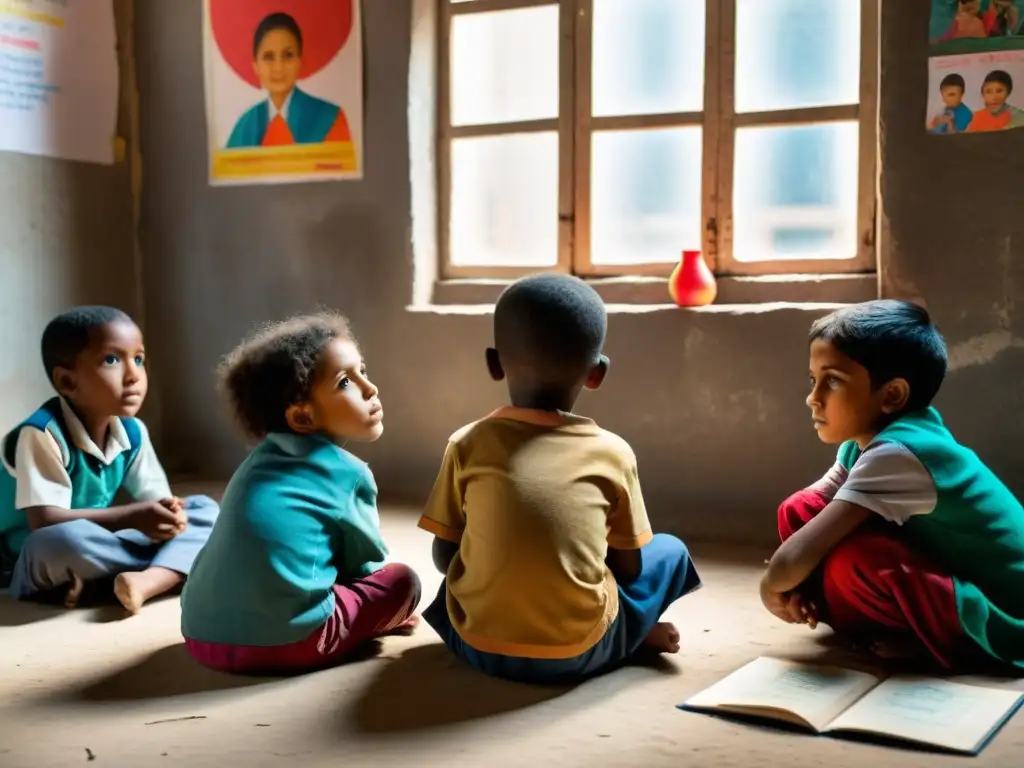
(575, 126)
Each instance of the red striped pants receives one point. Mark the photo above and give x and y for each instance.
(875, 587)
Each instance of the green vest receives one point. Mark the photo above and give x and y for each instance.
(93, 483)
(976, 532)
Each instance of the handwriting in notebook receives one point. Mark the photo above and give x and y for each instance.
(803, 680)
(926, 702)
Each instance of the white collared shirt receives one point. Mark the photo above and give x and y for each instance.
(42, 477)
(273, 111)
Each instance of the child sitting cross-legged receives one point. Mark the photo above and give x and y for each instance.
(909, 545)
(61, 530)
(552, 571)
(294, 575)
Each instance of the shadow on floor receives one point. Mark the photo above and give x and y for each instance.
(427, 687)
(17, 613)
(165, 673)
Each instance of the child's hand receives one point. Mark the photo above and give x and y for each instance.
(177, 506)
(802, 611)
(173, 503)
(155, 520)
(777, 603)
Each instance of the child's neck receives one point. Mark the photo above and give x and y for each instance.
(97, 427)
(543, 400)
(863, 441)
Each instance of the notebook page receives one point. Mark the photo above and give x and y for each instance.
(930, 711)
(817, 694)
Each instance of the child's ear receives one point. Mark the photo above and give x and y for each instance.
(64, 381)
(494, 364)
(895, 396)
(596, 376)
(300, 418)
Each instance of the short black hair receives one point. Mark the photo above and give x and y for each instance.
(273, 368)
(269, 24)
(999, 76)
(954, 80)
(552, 324)
(66, 335)
(892, 340)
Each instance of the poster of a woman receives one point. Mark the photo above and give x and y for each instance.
(284, 90)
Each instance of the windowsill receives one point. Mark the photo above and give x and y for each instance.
(650, 294)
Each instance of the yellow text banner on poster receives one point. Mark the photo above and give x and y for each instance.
(303, 160)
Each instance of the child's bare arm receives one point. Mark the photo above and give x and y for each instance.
(443, 552)
(625, 564)
(158, 520)
(802, 552)
(44, 492)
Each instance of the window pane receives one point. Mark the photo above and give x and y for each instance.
(504, 66)
(648, 57)
(797, 53)
(504, 206)
(645, 195)
(795, 192)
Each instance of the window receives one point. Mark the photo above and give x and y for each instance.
(602, 137)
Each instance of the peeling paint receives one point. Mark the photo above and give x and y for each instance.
(983, 349)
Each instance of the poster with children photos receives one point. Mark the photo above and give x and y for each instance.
(977, 92)
(975, 26)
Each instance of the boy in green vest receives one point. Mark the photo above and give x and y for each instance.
(64, 464)
(909, 544)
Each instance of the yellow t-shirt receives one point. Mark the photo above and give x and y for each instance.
(534, 499)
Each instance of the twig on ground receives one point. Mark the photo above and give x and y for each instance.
(177, 719)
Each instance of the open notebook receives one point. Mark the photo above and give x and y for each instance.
(922, 710)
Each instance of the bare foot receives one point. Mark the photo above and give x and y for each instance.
(74, 591)
(407, 627)
(133, 589)
(664, 638)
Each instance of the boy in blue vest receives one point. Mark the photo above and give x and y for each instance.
(909, 544)
(66, 462)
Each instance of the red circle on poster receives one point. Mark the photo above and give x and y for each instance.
(325, 25)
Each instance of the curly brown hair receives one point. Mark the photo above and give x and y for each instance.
(273, 368)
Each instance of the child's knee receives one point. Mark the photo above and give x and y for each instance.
(404, 581)
(57, 544)
(797, 510)
(668, 546)
(201, 510)
(669, 556)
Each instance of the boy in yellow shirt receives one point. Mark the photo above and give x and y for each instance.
(552, 571)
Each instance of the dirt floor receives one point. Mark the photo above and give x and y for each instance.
(88, 686)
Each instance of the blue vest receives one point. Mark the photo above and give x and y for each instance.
(93, 483)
